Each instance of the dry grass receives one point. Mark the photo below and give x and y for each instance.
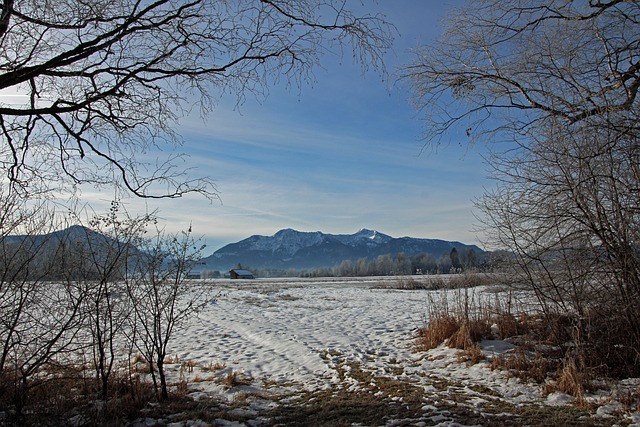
(528, 367)
(141, 368)
(213, 366)
(572, 379)
(470, 280)
(234, 379)
(172, 359)
(460, 323)
(379, 400)
(438, 282)
(629, 398)
(437, 331)
(200, 379)
(508, 325)
(471, 355)
(470, 332)
(182, 388)
(455, 333)
(463, 318)
(61, 391)
(189, 365)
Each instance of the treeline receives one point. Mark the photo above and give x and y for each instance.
(390, 265)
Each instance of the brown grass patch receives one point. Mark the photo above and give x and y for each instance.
(469, 333)
(189, 365)
(459, 323)
(172, 359)
(437, 331)
(234, 379)
(521, 364)
(571, 380)
(199, 379)
(437, 282)
(213, 366)
(471, 355)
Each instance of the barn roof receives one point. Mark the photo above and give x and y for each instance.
(242, 272)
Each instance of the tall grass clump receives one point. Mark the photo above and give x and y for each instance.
(457, 318)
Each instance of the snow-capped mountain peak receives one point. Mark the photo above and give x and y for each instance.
(364, 235)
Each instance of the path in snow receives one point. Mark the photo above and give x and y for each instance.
(288, 331)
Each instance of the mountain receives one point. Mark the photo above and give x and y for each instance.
(303, 250)
(73, 250)
(74, 233)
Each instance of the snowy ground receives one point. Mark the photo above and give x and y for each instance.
(329, 344)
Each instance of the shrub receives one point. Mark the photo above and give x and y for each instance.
(521, 364)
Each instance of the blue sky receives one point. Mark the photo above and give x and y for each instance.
(335, 156)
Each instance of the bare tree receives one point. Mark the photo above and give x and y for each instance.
(558, 82)
(78, 292)
(39, 320)
(162, 299)
(362, 267)
(569, 212)
(108, 251)
(402, 264)
(423, 263)
(345, 269)
(104, 81)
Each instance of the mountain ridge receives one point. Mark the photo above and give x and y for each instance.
(286, 249)
(289, 248)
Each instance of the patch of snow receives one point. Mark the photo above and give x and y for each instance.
(559, 399)
(607, 411)
(634, 419)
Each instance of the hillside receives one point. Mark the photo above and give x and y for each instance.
(76, 251)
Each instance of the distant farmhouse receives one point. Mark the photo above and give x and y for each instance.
(240, 274)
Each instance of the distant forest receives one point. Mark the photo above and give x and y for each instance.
(383, 265)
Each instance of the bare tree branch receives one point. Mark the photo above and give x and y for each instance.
(111, 77)
(519, 64)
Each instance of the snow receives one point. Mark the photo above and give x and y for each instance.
(311, 334)
(282, 332)
(363, 235)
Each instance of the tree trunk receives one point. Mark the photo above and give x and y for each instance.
(164, 395)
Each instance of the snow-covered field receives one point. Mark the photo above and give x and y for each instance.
(288, 337)
(284, 330)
